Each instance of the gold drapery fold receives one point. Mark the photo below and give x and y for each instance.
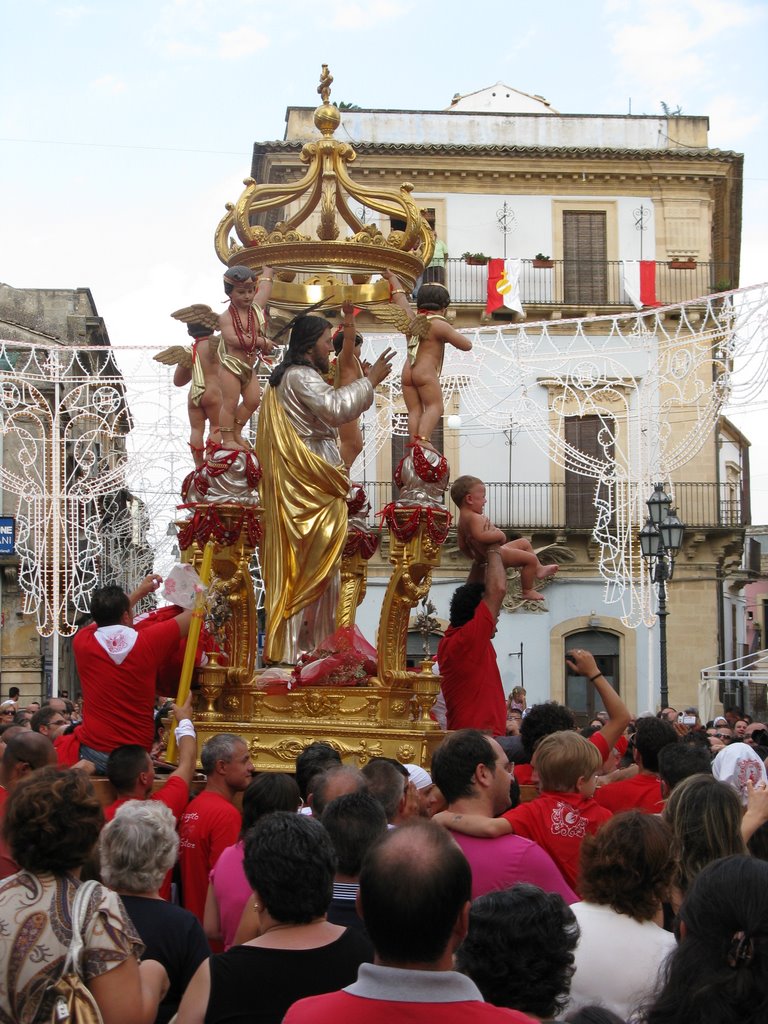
(305, 521)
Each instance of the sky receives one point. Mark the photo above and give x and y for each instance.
(125, 127)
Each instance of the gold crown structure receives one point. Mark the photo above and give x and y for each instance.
(331, 268)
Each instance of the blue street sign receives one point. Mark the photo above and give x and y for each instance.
(7, 535)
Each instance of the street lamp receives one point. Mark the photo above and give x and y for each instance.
(660, 540)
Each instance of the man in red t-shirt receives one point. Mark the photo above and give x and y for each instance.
(118, 667)
(474, 695)
(211, 822)
(644, 790)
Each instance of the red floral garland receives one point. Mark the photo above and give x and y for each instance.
(358, 502)
(437, 531)
(361, 541)
(437, 528)
(206, 524)
(429, 474)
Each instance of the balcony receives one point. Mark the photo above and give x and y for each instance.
(586, 284)
(542, 506)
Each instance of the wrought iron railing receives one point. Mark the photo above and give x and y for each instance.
(588, 283)
(553, 506)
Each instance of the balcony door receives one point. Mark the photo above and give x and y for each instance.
(585, 255)
(588, 434)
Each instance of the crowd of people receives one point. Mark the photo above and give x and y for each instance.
(617, 873)
(345, 893)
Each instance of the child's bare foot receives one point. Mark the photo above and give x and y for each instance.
(424, 442)
(545, 571)
(532, 595)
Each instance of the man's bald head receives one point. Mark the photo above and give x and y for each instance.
(25, 752)
(414, 885)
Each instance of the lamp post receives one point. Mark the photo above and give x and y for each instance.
(660, 540)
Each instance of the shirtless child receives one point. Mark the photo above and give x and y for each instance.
(475, 531)
(242, 338)
(421, 372)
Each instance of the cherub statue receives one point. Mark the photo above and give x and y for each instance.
(242, 337)
(428, 333)
(199, 367)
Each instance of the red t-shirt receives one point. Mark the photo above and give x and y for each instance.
(174, 793)
(119, 700)
(208, 826)
(474, 696)
(340, 1006)
(642, 792)
(558, 822)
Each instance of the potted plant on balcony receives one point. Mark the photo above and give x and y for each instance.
(682, 264)
(475, 259)
(542, 262)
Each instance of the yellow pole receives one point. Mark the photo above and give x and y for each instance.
(185, 679)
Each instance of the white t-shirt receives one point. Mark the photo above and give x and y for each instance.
(617, 959)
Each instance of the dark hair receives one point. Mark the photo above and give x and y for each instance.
(705, 816)
(519, 949)
(52, 820)
(328, 784)
(108, 605)
(455, 760)
(628, 864)
(125, 764)
(306, 332)
(385, 784)
(432, 297)
(464, 602)
(678, 761)
(594, 1015)
(413, 885)
(43, 717)
(338, 339)
(651, 736)
(238, 275)
(757, 844)
(313, 759)
(13, 692)
(718, 974)
(542, 720)
(354, 822)
(267, 792)
(290, 861)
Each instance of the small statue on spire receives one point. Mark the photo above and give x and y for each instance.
(326, 79)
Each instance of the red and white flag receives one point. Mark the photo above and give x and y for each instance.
(504, 285)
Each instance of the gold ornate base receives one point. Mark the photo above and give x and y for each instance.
(359, 722)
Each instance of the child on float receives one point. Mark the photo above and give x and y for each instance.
(475, 531)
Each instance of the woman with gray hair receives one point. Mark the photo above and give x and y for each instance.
(137, 848)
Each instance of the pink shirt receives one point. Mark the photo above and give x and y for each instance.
(231, 888)
(502, 862)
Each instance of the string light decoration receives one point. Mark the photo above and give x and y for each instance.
(100, 434)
